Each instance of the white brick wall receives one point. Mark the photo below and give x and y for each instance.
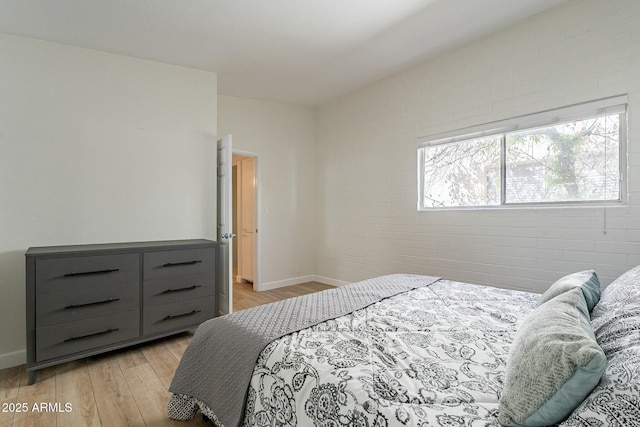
(366, 157)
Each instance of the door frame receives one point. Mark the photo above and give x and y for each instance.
(258, 207)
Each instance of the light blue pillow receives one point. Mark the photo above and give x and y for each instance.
(553, 364)
(616, 323)
(587, 281)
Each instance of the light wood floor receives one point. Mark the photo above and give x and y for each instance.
(244, 297)
(117, 389)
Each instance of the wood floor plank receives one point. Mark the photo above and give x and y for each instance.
(74, 392)
(131, 357)
(162, 360)
(178, 344)
(9, 386)
(6, 417)
(33, 397)
(151, 397)
(116, 406)
(10, 382)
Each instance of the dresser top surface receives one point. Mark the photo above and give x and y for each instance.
(131, 246)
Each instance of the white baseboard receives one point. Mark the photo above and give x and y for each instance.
(329, 281)
(15, 358)
(298, 280)
(287, 282)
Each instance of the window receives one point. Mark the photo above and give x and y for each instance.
(573, 155)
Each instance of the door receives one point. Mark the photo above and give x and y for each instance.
(225, 233)
(247, 215)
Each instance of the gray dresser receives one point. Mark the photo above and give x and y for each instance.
(88, 299)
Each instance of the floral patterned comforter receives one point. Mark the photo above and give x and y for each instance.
(433, 356)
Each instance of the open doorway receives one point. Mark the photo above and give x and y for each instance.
(245, 221)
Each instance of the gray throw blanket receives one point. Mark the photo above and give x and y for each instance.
(218, 364)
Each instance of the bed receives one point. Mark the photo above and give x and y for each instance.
(407, 350)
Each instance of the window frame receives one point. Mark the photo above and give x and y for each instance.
(587, 110)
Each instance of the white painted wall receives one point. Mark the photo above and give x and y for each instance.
(94, 148)
(366, 157)
(283, 137)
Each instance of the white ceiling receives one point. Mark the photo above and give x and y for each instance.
(298, 51)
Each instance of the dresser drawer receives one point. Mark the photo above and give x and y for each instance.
(178, 262)
(73, 337)
(73, 274)
(86, 302)
(173, 289)
(178, 315)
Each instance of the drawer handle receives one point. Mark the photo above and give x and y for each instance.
(84, 273)
(174, 316)
(176, 264)
(107, 301)
(108, 331)
(188, 288)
